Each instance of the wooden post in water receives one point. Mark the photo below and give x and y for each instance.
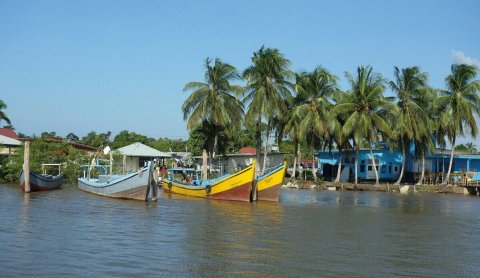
(111, 163)
(26, 166)
(204, 164)
(124, 162)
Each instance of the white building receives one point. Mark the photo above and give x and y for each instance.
(137, 154)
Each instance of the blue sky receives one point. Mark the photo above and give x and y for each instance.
(77, 66)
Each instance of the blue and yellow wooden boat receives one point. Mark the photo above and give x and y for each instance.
(269, 184)
(234, 187)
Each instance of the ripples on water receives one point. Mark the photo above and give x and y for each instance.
(334, 234)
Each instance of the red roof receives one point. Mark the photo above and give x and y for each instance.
(74, 144)
(8, 132)
(249, 150)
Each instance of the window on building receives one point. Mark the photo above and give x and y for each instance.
(362, 168)
(384, 168)
(370, 168)
(390, 168)
(395, 169)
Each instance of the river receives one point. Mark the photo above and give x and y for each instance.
(307, 234)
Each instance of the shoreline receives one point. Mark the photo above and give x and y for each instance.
(383, 187)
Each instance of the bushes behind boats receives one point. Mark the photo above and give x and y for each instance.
(45, 152)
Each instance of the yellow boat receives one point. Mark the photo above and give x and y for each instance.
(269, 184)
(235, 187)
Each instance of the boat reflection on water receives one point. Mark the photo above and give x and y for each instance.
(224, 232)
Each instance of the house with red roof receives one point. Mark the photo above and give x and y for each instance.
(9, 141)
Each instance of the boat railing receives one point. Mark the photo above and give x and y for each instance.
(46, 165)
(87, 170)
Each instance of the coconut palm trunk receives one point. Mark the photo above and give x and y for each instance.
(295, 161)
(357, 151)
(450, 164)
(422, 176)
(314, 172)
(374, 166)
(299, 160)
(265, 150)
(215, 143)
(258, 137)
(339, 170)
(403, 165)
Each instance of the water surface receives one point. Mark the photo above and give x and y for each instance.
(307, 234)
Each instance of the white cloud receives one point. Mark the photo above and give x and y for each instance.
(460, 58)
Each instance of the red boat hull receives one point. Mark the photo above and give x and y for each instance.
(269, 194)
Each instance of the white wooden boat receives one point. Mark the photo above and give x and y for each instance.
(137, 186)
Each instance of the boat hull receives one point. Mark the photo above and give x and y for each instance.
(131, 186)
(39, 182)
(269, 185)
(235, 187)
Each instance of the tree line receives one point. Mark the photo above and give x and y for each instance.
(309, 107)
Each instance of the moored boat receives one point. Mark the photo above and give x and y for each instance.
(136, 186)
(269, 184)
(233, 187)
(42, 182)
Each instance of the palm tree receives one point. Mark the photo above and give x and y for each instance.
(365, 109)
(410, 122)
(291, 127)
(460, 102)
(336, 122)
(471, 148)
(424, 143)
(268, 89)
(3, 116)
(316, 88)
(215, 100)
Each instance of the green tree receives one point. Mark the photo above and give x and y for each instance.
(467, 148)
(3, 116)
(365, 109)
(200, 138)
(124, 138)
(460, 102)
(214, 100)
(316, 89)
(228, 141)
(71, 137)
(96, 140)
(411, 121)
(167, 144)
(267, 92)
(50, 135)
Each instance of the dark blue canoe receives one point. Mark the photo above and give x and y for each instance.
(39, 182)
